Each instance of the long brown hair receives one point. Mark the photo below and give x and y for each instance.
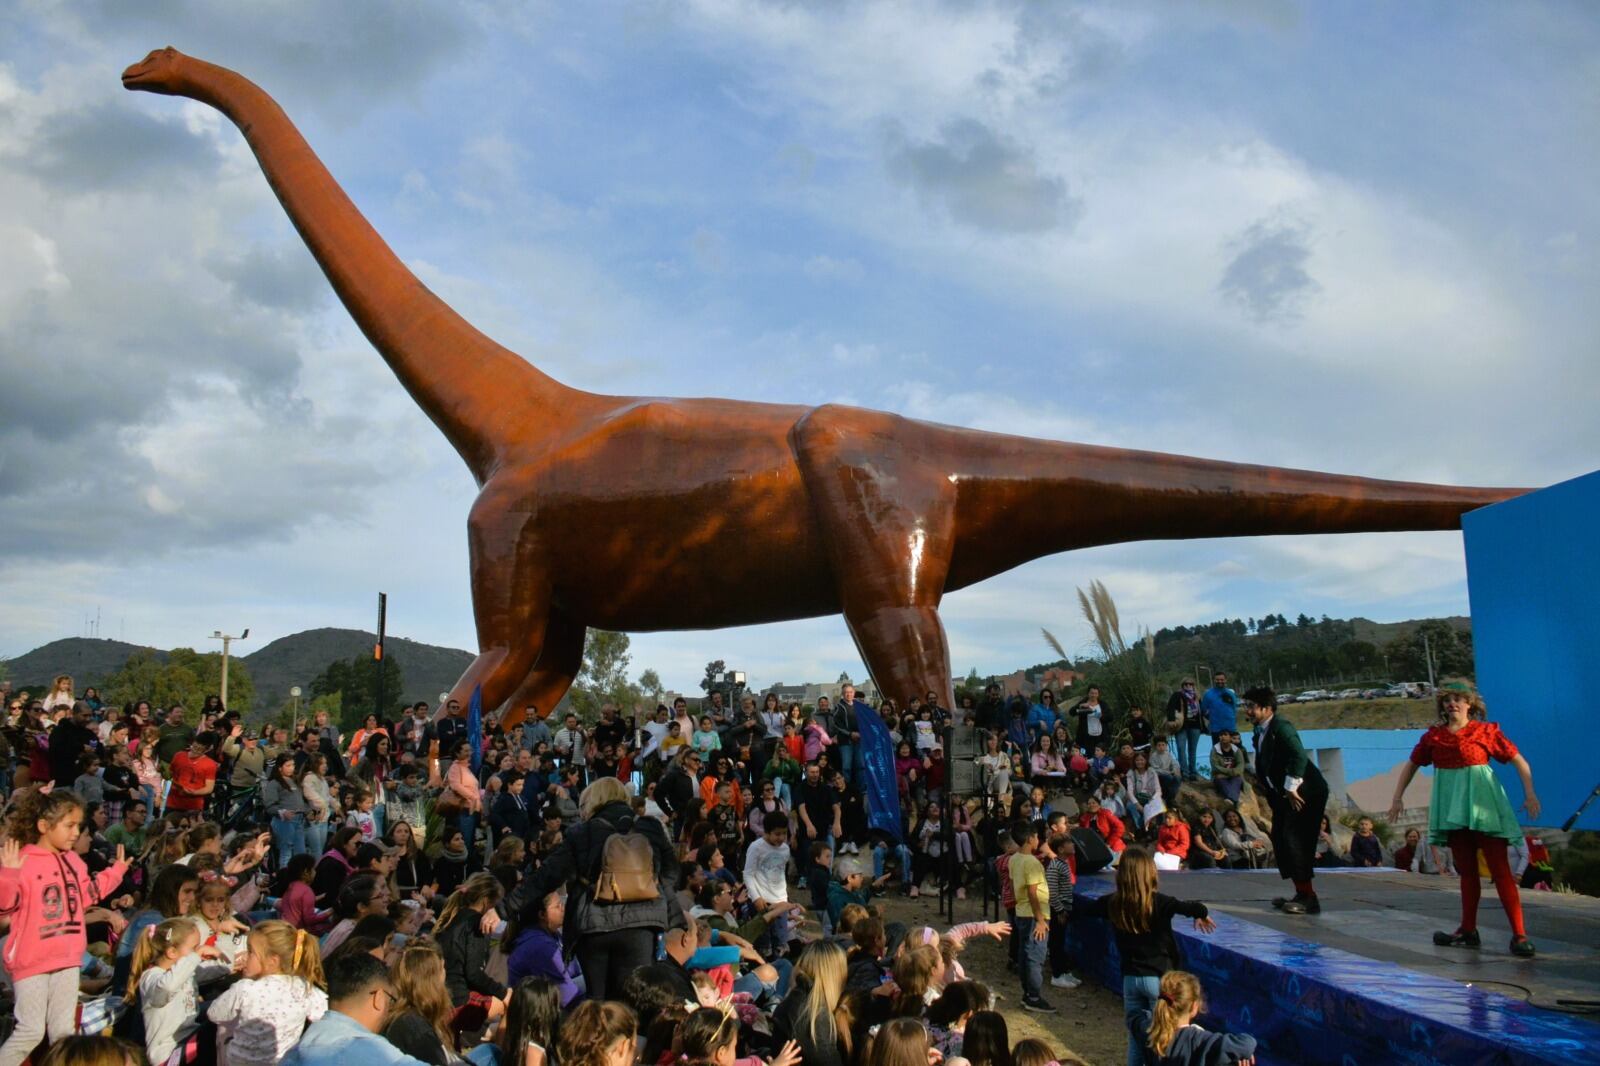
(591, 1029)
(419, 989)
(913, 976)
(900, 1042)
(1134, 900)
(479, 888)
(1180, 993)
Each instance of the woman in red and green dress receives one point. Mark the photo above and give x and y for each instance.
(1469, 810)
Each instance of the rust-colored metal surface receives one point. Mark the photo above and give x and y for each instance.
(648, 513)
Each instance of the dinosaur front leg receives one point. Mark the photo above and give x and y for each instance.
(558, 663)
(511, 595)
(887, 516)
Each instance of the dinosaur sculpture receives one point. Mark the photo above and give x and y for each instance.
(614, 511)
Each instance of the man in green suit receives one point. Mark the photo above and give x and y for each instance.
(1297, 793)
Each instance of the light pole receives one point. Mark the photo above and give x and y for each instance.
(294, 694)
(226, 640)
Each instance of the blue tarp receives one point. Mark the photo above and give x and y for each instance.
(475, 726)
(882, 787)
(1311, 1004)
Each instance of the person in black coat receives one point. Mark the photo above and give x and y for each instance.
(509, 816)
(677, 788)
(1297, 793)
(611, 940)
(68, 740)
(462, 935)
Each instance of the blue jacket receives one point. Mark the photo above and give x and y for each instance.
(1042, 719)
(1221, 708)
(339, 1040)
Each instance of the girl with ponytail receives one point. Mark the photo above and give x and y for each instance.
(261, 1017)
(1174, 1037)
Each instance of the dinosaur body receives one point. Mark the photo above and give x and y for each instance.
(632, 513)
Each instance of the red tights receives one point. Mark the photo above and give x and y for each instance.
(1465, 845)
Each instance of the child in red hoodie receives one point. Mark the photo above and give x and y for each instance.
(46, 889)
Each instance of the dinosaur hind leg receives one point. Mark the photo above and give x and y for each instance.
(888, 521)
(559, 662)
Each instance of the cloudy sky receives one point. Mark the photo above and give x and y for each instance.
(1358, 238)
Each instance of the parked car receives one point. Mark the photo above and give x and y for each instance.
(1395, 692)
(1374, 693)
(1348, 694)
(1311, 696)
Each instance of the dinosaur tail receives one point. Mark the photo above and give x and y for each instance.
(1045, 497)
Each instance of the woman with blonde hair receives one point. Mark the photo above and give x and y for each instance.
(418, 1019)
(598, 1033)
(1174, 1037)
(1141, 920)
(613, 937)
(808, 1015)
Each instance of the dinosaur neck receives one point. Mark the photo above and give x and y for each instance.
(471, 387)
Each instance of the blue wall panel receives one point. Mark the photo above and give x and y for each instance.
(1533, 574)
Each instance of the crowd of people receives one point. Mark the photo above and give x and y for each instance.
(659, 888)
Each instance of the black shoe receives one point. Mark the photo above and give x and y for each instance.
(1038, 1006)
(1282, 902)
(1302, 905)
(1459, 939)
(1522, 947)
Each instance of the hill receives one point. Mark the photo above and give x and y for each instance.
(293, 660)
(88, 660)
(1383, 632)
(427, 669)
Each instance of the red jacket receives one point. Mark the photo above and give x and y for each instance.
(1173, 838)
(46, 898)
(1108, 825)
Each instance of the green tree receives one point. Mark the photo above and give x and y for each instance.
(650, 685)
(186, 677)
(714, 669)
(1451, 648)
(603, 678)
(355, 681)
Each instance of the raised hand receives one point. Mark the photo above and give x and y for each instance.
(11, 855)
(998, 929)
(789, 1056)
(122, 855)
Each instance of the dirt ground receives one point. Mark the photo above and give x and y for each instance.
(1089, 1024)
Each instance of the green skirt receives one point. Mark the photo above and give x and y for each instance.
(1470, 798)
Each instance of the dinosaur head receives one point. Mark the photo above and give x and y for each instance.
(162, 71)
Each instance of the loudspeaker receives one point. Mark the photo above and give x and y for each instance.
(1092, 854)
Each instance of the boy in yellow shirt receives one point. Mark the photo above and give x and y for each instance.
(1032, 927)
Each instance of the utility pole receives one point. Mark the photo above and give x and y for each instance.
(226, 640)
(1427, 652)
(377, 650)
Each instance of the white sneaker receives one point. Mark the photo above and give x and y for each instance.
(1066, 980)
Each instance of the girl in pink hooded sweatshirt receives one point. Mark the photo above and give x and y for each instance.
(46, 889)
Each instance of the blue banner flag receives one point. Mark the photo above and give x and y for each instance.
(881, 787)
(475, 726)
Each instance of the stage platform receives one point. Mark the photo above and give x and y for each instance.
(1363, 983)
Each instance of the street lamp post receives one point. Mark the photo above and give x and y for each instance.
(226, 640)
(294, 694)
